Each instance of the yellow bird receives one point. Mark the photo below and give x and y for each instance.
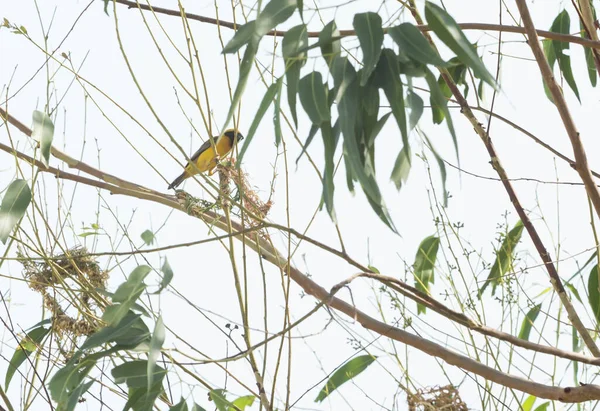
(205, 159)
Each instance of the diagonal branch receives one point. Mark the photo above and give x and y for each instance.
(531, 230)
(263, 247)
(561, 105)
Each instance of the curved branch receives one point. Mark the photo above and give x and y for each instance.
(262, 246)
(346, 33)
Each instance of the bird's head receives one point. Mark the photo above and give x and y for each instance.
(232, 133)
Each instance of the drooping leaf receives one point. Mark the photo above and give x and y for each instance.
(504, 258)
(424, 266)
(148, 237)
(345, 373)
(135, 374)
(76, 394)
(562, 25)
(66, 381)
(180, 406)
(313, 96)
(245, 68)
(274, 13)
(43, 132)
(311, 135)
(156, 343)
(328, 186)
(294, 40)
(26, 346)
(197, 407)
(14, 204)
(370, 36)
(412, 42)
(388, 78)
(542, 407)
(594, 293)
(130, 331)
(439, 102)
(347, 95)
(401, 167)
(445, 27)
(415, 103)
(167, 276)
(329, 42)
(126, 295)
(277, 116)
(528, 321)
(142, 399)
(262, 109)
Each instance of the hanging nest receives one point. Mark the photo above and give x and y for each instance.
(73, 278)
(436, 398)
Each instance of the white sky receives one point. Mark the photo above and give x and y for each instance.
(480, 204)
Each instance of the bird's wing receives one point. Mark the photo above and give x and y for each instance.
(205, 146)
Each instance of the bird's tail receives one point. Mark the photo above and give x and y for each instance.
(178, 181)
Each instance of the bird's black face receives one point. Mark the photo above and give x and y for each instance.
(231, 134)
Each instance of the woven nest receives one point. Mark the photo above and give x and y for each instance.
(76, 272)
(436, 398)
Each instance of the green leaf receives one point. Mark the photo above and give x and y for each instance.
(196, 407)
(180, 406)
(311, 135)
(156, 343)
(218, 397)
(245, 68)
(67, 380)
(401, 167)
(345, 373)
(242, 403)
(127, 294)
(274, 13)
(439, 102)
(329, 42)
(347, 96)
(412, 42)
(542, 407)
(574, 291)
(26, 346)
(528, 321)
(140, 399)
(313, 96)
(388, 78)
(562, 25)
(591, 66)
(528, 403)
(134, 374)
(444, 26)
(262, 109)
(14, 204)
(328, 186)
(594, 292)
(504, 258)
(370, 36)
(167, 276)
(415, 102)
(76, 394)
(43, 132)
(130, 331)
(277, 116)
(294, 41)
(242, 36)
(424, 266)
(148, 237)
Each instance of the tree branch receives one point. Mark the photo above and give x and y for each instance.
(346, 33)
(257, 242)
